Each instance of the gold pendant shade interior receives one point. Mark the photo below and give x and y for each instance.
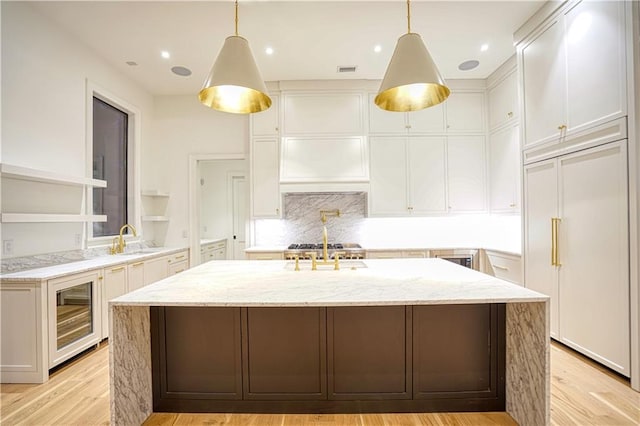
(234, 83)
(412, 81)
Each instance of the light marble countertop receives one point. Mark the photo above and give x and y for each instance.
(212, 240)
(381, 282)
(50, 272)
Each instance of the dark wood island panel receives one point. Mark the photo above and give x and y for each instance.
(326, 360)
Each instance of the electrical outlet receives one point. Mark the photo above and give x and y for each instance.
(7, 247)
(184, 234)
(78, 239)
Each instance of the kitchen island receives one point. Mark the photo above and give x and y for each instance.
(377, 335)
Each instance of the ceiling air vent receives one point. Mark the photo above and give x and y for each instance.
(347, 69)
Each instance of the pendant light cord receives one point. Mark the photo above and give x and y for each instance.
(237, 17)
(408, 18)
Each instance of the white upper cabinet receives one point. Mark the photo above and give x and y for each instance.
(465, 112)
(267, 123)
(388, 160)
(265, 187)
(574, 71)
(503, 101)
(466, 173)
(323, 113)
(428, 120)
(324, 159)
(504, 170)
(427, 171)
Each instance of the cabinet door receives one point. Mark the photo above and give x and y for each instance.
(593, 251)
(176, 268)
(543, 68)
(426, 171)
(135, 276)
(465, 112)
(504, 170)
(265, 176)
(428, 120)
(540, 205)
(113, 285)
(466, 173)
(596, 75)
(382, 121)
(156, 270)
(503, 105)
(267, 123)
(323, 113)
(388, 161)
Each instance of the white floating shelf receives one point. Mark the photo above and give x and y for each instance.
(49, 218)
(154, 193)
(155, 218)
(25, 173)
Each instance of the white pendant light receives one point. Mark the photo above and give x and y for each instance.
(412, 81)
(234, 83)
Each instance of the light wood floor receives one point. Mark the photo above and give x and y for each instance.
(582, 393)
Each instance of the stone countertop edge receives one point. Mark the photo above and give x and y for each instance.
(56, 271)
(260, 249)
(382, 282)
(212, 240)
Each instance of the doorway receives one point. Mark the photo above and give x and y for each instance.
(218, 203)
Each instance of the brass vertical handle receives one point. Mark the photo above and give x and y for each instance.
(554, 241)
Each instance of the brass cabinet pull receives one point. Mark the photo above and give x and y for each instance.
(120, 268)
(554, 241)
(100, 278)
(138, 264)
(504, 268)
(180, 257)
(562, 127)
(510, 114)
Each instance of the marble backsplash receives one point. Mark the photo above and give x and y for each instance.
(302, 222)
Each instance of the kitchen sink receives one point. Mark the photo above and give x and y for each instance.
(344, 265)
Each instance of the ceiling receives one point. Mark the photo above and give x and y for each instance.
(310, 38)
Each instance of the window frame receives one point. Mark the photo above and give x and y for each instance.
(133, 162)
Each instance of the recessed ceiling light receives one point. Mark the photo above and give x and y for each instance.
(377, 48)
(269, 50)
(165, 54)
(468, 65)
(484, 47)
(181, 71)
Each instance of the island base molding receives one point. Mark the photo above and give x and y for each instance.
(321, 365)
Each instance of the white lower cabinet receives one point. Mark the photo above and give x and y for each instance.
(213, 251)
(23, 322)
(135, 276)
(155, 270)
(505, 266)
(576, 249)
(265, 255)
(114, 284)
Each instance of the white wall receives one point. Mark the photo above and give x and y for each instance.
(183, 126)
(44, 76)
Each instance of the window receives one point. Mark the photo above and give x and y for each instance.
(110, 149)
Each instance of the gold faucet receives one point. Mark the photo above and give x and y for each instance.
(325, 239)
(120, 239)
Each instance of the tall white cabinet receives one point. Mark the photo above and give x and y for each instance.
(583, 264)
(574, 75)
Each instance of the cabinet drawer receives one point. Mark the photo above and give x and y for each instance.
(397, 254)
(179, 257)
(506, 267)
(271, 255)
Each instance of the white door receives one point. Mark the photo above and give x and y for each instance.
(543, 69)
(595, 40)
(239, 195)
(593, 252)
(388, 162)
(427, 171)
(540, 206)
(504, 169)
(466, 173)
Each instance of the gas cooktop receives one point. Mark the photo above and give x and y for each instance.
(347, 250)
